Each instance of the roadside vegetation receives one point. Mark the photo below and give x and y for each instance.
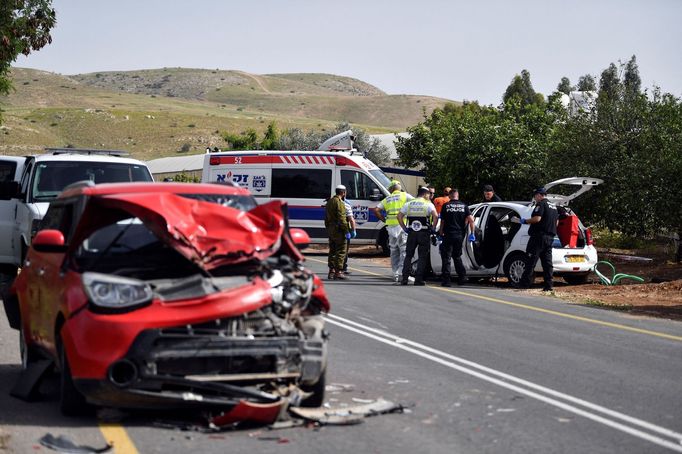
(299, 139)
(629, 137)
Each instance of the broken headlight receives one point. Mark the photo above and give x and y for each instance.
(115, 292)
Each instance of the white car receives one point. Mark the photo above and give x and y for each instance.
(501, 239)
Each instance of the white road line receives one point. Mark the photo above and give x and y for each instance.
(575, 400)
(430, 354)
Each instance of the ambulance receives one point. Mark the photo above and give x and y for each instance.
(306, 180)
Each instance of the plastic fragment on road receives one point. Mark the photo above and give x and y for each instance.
(350, 415)
(65, 445)
(615, 277)
(250, 411)
(339, 387)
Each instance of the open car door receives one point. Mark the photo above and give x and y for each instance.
(472, 256)
(579, 184)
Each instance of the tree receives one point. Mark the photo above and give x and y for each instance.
(609, 83)
(473, 145)
(24, 27)
(631, 80)
(586, 83)
(246, 140)
(522, 88)
(565, 86)
(634, 143)
(271, 137)
(372, 149)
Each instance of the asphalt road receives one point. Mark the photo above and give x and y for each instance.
(479, 369)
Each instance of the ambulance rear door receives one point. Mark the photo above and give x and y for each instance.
(305, 180)
(363, 193)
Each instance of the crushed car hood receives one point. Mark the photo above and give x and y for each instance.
(206, 233)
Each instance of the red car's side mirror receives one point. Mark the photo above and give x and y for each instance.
(300, 237)
(49, 241)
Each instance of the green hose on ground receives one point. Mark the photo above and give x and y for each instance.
(615, 277)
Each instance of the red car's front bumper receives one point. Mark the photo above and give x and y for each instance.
(187, 353)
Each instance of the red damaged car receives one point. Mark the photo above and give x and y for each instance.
(160, 295)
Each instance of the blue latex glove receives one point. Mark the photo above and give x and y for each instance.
(523, 221)
(353, 234)
(472, 237)
(348, 236)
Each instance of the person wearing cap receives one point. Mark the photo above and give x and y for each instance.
(455, 222)
(489, 194)
(438, 202)
(421, 218)
(397, 238)
(338, 230)
(542, 231)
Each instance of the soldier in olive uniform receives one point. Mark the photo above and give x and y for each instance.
(338, 229)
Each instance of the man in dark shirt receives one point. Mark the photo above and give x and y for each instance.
(454, 219)
(489, 194)
(542, 231)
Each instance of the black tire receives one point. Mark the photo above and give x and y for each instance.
(12, 311)
(71, 401)
(317, 390)
(514, 266)
(576, 279)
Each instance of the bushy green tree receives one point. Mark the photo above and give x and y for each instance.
(634, 143)
(24, 27)
(609, 83)
(522, 88)
(271, 137)
(565, 86)
(632, 140)
(246, 140)
(471, 145)
(586, 83)
(631, 81)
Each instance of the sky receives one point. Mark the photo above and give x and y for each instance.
(460, 50)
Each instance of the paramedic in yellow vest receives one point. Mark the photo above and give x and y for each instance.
(397, 238)
(418, 219)
(338, 229)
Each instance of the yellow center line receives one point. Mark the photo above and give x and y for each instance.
(538, 309)
(116, 435)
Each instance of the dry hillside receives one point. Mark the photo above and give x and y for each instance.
(162, 112)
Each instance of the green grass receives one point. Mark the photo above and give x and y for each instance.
(597, 303)
(616, 240)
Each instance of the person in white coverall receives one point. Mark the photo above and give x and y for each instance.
(397, 238)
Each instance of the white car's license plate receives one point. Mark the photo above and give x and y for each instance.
(575, 258)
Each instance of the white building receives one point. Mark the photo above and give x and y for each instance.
(579, 101)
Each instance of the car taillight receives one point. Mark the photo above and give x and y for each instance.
(588, 237)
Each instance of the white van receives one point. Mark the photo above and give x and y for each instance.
(306, 180)
(29, 183)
